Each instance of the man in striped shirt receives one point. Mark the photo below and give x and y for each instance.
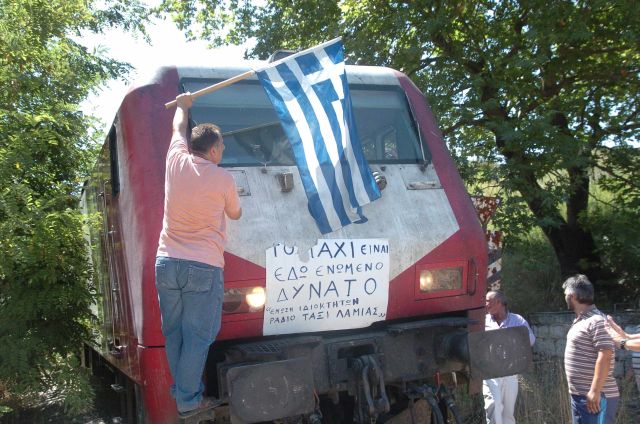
(589, 357)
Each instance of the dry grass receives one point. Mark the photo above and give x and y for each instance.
(629, 408)
(543, 398)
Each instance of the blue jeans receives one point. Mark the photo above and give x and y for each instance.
(580, 413)
(190, 295)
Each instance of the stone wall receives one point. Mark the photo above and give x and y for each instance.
(551, 330)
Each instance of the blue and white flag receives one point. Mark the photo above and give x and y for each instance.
(310, 94)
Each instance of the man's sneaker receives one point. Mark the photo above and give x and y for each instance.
(205, 404)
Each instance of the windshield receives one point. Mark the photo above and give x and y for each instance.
(253, 135)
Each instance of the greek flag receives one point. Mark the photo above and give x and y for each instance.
(310, 94)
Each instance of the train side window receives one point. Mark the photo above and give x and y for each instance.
(113, 161)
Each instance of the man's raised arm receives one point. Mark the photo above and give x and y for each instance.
(181, 117)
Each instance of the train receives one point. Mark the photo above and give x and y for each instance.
(356, 325)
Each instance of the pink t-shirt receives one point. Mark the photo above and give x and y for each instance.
(197, 192)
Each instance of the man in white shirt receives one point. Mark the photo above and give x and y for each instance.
(500, 393)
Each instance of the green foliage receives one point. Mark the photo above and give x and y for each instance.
(45, 152)
(533, 96)
(615, 227)
(531, 275)
(74, 393)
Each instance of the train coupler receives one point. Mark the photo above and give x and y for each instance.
(371, 395)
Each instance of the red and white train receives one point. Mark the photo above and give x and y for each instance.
(279, 361)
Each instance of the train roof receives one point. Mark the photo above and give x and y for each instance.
(356, 74)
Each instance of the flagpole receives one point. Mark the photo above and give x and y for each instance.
(248, 74)
(215, 87)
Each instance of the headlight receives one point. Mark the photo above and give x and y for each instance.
(426, 281)
(256, 298)
(441, 279)
(243, 300)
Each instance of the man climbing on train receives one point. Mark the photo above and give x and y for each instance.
(199, 196)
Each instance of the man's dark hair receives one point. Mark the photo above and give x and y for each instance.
(580, 286)
(203, 137)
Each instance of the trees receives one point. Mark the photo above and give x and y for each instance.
(540, 99)
(45, 151)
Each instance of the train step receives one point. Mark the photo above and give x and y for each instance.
(202, 416)
(207, 415)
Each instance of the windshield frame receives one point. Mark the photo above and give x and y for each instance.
(423, 155)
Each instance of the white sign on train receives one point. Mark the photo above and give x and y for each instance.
(339, 284)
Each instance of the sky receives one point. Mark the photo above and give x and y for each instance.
(168, 46)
